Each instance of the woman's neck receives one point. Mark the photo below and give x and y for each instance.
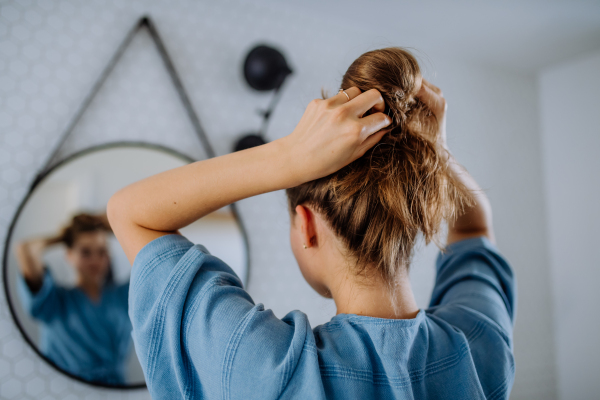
(375, 299)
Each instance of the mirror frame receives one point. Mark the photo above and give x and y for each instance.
(40, 178)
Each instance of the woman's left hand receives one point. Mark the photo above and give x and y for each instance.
(332, 133)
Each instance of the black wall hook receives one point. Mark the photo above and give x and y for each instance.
(265, 69)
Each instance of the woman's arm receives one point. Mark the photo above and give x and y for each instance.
(477, 219)
(29, 257)
(331, 134)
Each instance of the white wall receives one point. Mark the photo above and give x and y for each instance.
(493, 129)
(570, 111)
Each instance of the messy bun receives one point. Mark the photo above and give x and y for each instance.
(380, 202)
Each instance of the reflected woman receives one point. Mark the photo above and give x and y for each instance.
(85, 329)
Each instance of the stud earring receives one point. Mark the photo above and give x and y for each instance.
(304, 244)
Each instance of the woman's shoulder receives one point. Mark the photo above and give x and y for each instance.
(158, 259)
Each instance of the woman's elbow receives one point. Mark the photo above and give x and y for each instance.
(115, 210)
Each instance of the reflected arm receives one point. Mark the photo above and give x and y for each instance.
(29, 256)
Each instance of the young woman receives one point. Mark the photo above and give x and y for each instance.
(85, 329)
(366, 171)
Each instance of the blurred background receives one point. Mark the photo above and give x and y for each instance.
(522, 80)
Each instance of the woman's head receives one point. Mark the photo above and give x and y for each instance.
(377, 205)
(87, 247)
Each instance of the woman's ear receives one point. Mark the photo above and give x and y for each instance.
(308, 231)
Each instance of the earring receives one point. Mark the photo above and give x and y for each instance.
(304, 244)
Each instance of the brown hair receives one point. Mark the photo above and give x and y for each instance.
(81, 223)
(380, 202)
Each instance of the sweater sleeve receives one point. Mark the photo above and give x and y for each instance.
(475, 292)
(198, 333)
(473, 273)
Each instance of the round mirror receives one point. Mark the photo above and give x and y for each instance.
(65, 274)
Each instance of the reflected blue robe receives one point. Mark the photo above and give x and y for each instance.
(90, 340)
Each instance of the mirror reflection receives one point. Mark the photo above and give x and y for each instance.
(84, 326)
(68, 278)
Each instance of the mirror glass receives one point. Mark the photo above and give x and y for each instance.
(67, 277)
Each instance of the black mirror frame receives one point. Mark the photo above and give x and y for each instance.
(50, 165)
(13, 223)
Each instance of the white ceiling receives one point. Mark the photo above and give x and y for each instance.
(517, 35)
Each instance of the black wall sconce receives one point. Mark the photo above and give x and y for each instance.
(265, 69)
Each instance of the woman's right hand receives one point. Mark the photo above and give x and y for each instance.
(433, 98)
(476, 219)
(332, 133)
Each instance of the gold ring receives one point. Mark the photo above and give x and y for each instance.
(342, 90)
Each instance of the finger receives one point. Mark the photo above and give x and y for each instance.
(373, 123)
(373, 139)
(341, 98)
(432, 99)
(379, 106)
(425, 94)
(432, 87)
(365, 101)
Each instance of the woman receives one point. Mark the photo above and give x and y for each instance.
(366, 171)
(85, 329)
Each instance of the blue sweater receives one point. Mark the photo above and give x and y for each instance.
(199, 334)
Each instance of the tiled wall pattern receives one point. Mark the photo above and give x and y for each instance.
(52, 51)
